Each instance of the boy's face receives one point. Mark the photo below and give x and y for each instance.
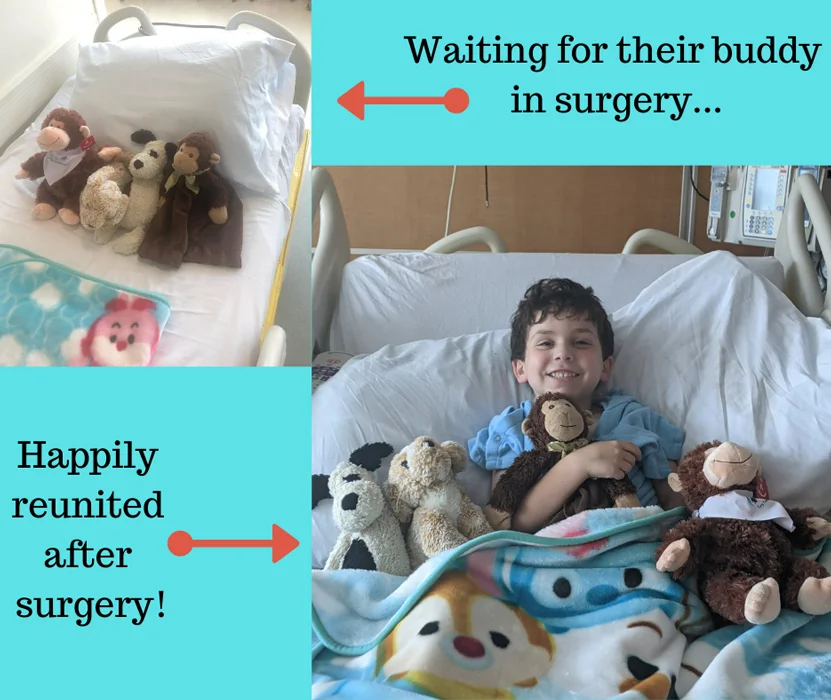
(563, 354)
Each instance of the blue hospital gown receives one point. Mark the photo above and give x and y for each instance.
(623, 418)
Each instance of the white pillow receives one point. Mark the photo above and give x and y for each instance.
(416, 296)
(715, 348)
(236, 86)
(724, 354)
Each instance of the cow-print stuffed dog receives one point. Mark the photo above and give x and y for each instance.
(371, 536)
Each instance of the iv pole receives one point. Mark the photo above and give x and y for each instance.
(686, 224)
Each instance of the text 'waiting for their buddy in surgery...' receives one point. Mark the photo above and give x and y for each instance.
(627, 51)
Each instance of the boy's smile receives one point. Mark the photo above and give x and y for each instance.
(563, 354)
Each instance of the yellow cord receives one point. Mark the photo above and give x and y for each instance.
(294, 191)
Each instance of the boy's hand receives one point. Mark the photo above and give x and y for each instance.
(608, 460)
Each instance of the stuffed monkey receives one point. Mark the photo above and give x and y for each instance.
(740, 546)
(556, 428)
(68, 157)
(193, 163)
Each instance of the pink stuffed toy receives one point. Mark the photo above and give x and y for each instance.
(125, 336)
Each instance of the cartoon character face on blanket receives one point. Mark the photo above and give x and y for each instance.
(588, 597)
(125, 336)
(460, 642)
(642, 653)
(625, 614)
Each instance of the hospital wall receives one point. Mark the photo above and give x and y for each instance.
(39, 42)
(534, 209)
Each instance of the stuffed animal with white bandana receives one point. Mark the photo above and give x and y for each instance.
(68, 157)
(739, 544)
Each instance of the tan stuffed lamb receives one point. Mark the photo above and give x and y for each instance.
(422, 491)
(103, 202)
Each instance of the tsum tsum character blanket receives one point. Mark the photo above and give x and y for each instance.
(51, 315)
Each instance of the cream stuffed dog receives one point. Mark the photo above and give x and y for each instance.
(147, 169)
(421, 490)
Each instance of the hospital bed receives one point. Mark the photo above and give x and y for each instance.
(728, 348)
(218, 316)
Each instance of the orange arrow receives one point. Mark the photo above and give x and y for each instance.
(353, 100)
(180, 543)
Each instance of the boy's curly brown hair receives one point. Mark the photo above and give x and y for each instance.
(558, 296)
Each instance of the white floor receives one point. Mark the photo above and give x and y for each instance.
(294, 308)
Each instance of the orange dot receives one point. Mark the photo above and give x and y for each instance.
(180, 543)
(456, 100)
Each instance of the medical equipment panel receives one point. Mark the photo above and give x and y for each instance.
(718, 182)
(747, 203)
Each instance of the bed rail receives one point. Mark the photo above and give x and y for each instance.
(801, 283)
(467, 237)
(299, 56)
(102, 33)
(331, 255)
(273, 348)
(652, 237)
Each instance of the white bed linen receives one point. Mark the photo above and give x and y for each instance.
(403, 297)
(216, 313)
(714, 347)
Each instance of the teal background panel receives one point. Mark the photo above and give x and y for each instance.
(233, 458)
(770, 113)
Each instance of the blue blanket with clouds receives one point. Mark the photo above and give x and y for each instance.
(578, 611)
(51, 315)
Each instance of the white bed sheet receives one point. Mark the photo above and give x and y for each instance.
(715, 348)
(216, 314)
(403, 297)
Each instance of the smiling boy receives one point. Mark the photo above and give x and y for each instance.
(562, 341)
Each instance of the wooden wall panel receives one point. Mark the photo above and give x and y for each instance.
(534, 209)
